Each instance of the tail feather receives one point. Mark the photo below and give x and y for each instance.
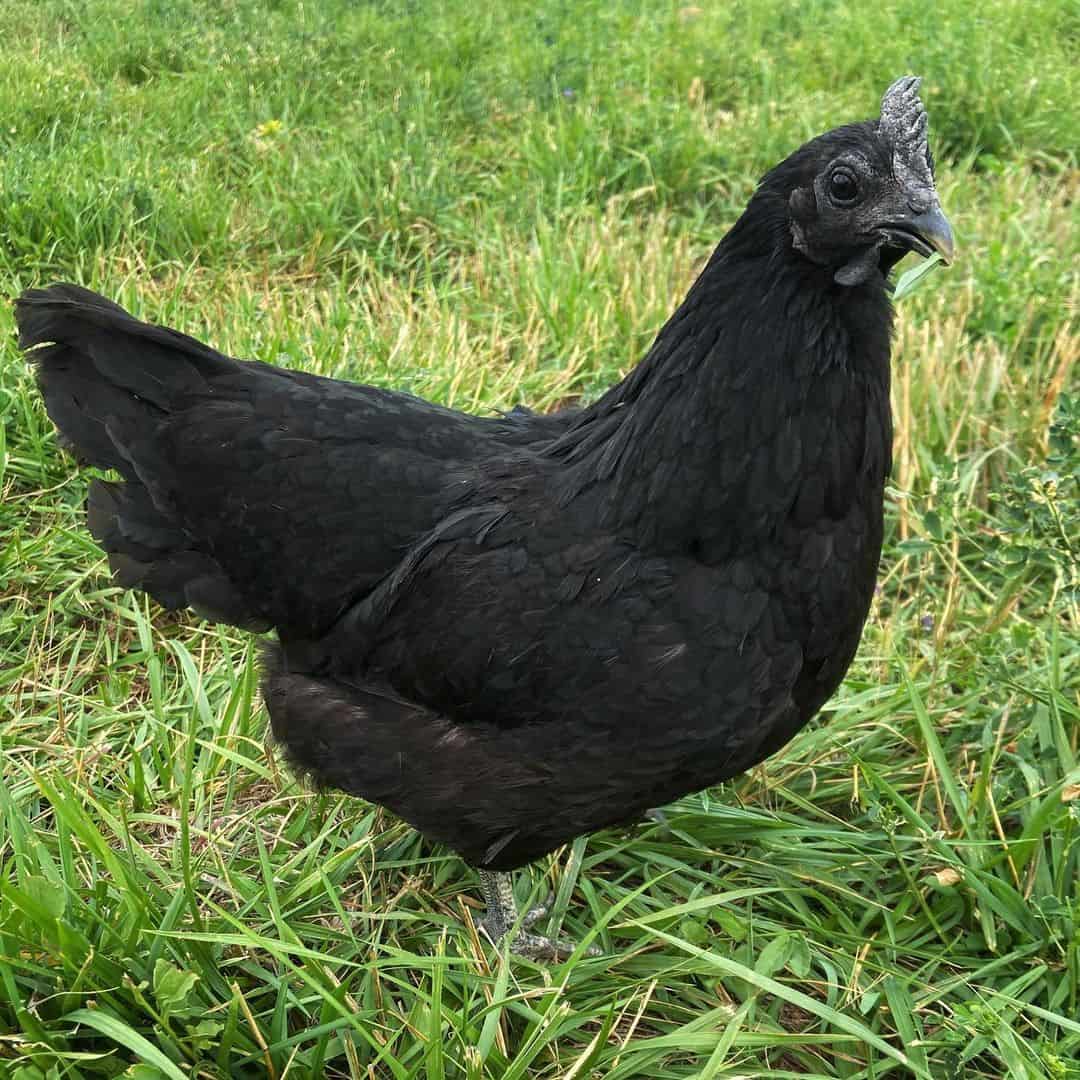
(154, 363)
(149, 551)
(110, 382)
(84, 408)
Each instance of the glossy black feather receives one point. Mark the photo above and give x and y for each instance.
(512, 631)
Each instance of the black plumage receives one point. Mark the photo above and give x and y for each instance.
(515, 630)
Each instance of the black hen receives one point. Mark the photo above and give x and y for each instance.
(514, 631)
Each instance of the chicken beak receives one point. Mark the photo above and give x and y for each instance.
(933, 226)
(925, 232)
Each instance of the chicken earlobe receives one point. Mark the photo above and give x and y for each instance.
(865, 266)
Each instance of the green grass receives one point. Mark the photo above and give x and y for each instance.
(501, 203)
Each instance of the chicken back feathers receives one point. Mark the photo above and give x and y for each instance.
(514, 630)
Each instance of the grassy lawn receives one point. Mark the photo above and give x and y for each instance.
(487, 204)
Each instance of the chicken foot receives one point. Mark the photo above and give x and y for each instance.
(501, 915)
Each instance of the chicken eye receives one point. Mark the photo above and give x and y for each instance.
(843, 187)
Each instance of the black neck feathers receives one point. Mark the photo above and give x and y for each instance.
(765, 394)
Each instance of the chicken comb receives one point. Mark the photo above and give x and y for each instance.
(903, 122)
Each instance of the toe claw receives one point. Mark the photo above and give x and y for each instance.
(541, 911)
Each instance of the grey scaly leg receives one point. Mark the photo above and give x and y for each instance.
(501, 915)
